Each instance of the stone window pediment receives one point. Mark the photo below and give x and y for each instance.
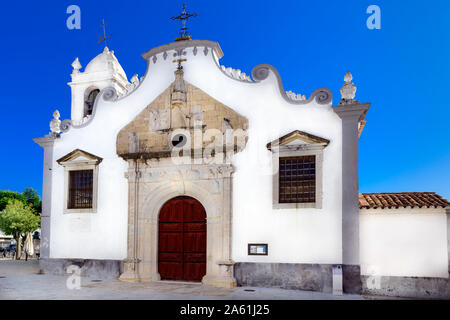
(298, 140)
(299, 156)
(78, 157)
(80, 181)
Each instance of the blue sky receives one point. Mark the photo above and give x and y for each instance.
(402, 69)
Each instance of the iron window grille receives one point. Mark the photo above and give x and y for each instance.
(297, 179)
(81, 189)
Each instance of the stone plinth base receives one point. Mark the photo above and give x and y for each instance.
(410, 287)
(308, 277)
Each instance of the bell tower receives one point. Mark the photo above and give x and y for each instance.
(102, 72)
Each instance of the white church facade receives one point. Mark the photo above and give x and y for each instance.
(198, 172)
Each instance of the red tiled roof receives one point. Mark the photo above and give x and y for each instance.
(401, 200)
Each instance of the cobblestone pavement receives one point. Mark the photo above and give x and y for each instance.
(21, 280)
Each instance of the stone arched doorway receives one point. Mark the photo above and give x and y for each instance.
(151, 185)
(182, 240)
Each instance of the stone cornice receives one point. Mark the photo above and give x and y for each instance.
(45, 141)
(353, 111)
(182, 45)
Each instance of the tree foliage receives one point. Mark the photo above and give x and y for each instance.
(29, 197)
(18, 218)
(6, 196)
(32, 198)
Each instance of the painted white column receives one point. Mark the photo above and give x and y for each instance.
(351, 115)
(47, 143)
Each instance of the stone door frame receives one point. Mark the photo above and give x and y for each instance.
(154, 182)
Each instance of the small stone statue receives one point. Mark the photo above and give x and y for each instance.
(55, 124)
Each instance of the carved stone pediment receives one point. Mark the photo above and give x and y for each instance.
(79, 156)
(298, 140)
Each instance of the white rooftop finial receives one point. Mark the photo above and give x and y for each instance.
(76, 65)
(348, 77)
(348, 91)
(55, 124)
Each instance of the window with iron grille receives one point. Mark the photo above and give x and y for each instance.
(297, 179)
(80, 189)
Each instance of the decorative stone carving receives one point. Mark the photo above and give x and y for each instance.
(321, 96)
(156, 123)
(135, 80)
(179, 89)
(180, 115)
(348, 91)
(236, 74)
(65, 125)
(260, 72)
(55, 124)
(76, 65)
(294, 96)
(159, 120)
(179, 53)
(109, 94)
(131, 87)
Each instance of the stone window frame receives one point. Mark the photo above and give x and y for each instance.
(70, 163)
(314, 146)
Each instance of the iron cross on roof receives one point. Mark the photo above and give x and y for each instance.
(179, 61)
(100, 39)
(183, 17)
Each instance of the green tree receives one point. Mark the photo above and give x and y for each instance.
(16, 219)
(32, 198)
(6, 196)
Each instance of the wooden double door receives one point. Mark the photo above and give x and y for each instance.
(182, 240)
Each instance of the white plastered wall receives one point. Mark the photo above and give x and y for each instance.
(404, 242)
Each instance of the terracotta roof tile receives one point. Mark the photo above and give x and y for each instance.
(401, 200)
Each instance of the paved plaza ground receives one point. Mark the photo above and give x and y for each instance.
(22, 280)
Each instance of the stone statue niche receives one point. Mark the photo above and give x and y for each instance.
(180, 114)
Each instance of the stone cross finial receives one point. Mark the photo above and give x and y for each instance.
(55, 124)
(76, 65)
(348, 90)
